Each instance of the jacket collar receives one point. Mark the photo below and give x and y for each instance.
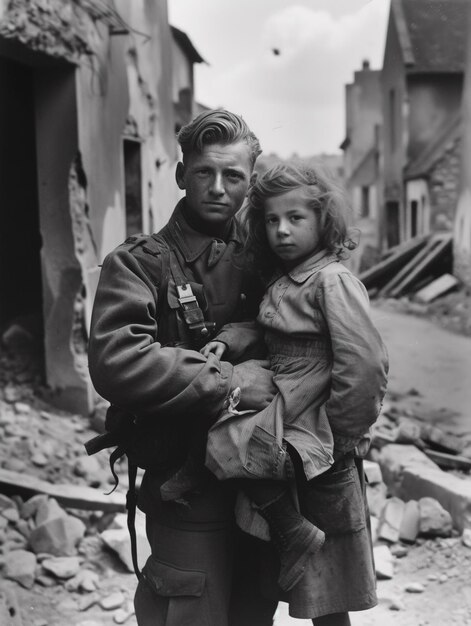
(193, 243)
(309, 267)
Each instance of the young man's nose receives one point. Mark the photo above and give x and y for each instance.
(217, 185)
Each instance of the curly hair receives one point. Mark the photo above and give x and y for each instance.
(217, 126)
(323, 195)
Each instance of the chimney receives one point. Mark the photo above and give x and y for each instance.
(366, 64)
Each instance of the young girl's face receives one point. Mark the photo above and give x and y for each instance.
(292, 226)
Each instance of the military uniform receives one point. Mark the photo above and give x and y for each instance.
(143, 358)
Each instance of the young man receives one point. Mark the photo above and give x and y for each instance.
(147, 328)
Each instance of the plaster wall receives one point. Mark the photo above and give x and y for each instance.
(462, 224)
(182, 71)
(433, 100)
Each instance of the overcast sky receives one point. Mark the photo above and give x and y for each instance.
(294, 101)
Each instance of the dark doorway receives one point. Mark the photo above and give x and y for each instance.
(414, 209)
(20, 240)
(392, 223)
(133, 186)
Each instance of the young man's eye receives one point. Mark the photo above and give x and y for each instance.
(234, 175)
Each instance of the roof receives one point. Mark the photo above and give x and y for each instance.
(366, 172)
(432, 33)
(435, 149)
(185, 43)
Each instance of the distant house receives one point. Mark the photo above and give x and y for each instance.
(88, 155)
(184, 56)
(361, 155)
(462, 226)
(422, 85)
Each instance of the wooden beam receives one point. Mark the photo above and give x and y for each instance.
(404, 271)
(422, 266)
(388, 266)
(72, 496)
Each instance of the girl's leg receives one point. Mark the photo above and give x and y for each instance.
(294, 537)
(334, 619)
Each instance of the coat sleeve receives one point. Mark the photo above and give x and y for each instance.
(360, 362)
(129, 367)
(244, 340)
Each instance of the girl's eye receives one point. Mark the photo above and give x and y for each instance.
(271, 220)
(296, 218)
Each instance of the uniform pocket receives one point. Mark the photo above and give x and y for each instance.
(334, 501)
(181, 590)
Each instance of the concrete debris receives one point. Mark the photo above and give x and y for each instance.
(113, 601)
(20, 566)
(384, 562)
(434, 520)
(414, 588)
(466, 537)
(58, 536)
(410, 524)
(62, 567)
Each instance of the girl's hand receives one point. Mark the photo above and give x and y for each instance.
(216, 347)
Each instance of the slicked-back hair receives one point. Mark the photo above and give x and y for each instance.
(217, 126)
(323, 195)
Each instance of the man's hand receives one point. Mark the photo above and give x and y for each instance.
(216, 347)
(255, 380)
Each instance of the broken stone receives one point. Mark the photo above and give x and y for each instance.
(373, 472)
(414, 588)
(58, 536)
(118, 540)
(440, 440)
(384, 562)
(122, 615)
(46, 581)
(22, 407)
(87, 602)
(30, 507)
(399, 551)
(376, 498)
(6, 503)
(391, 519)
(62, 567)
(113, 601)
(20, 566)
(39, 459)
(466, 537)
(434, 520)
(86, 580)
(11, 515)
(395, 459)
(48, 509)
(410, 523)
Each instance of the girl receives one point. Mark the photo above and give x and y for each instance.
(330, 368)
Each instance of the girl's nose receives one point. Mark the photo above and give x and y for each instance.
(283, 228)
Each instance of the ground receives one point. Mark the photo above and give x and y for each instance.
(429, 379)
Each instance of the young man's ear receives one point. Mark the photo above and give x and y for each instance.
(180, 175)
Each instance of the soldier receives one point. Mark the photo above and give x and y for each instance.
(159, 299)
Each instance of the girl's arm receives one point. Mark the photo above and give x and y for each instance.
(243, 341)
(360, 361)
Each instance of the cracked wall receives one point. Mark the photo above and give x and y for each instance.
(110, 84)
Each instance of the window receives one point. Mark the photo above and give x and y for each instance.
(365, 202)
(132, 186)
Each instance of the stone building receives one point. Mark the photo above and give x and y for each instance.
(87, 153)
(422, 86)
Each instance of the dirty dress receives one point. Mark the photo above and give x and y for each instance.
(329, 367)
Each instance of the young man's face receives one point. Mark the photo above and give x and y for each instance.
(216, 182)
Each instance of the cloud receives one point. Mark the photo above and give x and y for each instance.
(302, 88)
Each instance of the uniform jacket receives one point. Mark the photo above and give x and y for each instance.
(130, 365)
(317, 300)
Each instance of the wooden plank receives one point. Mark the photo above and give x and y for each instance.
(438, 287)
(404, 271)
(73, 496)
(448, 461)
(421, 267)
(388, 266)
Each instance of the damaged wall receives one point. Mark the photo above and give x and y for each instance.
(462, 230)
(112, 77)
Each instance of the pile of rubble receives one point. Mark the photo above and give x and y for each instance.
(61, 537)
(416, 505)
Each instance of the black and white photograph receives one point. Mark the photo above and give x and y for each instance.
(235, 312)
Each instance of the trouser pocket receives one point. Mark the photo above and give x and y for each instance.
(170, 596)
